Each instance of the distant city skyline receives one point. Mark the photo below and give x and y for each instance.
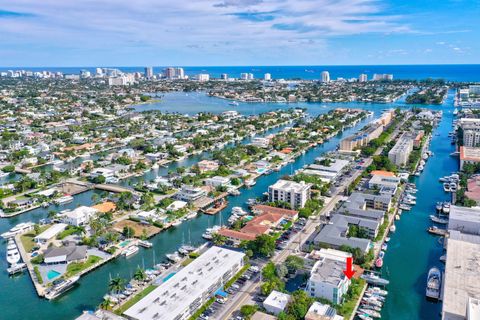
(238, 33)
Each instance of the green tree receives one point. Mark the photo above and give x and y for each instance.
(294, 263)
(116, 284)
(139, 274)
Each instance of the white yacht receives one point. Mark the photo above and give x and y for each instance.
(13, 256)
(130, 251)
(63, 200)
(61, 287)
(18, 229)
(434, 281)
(145, 244)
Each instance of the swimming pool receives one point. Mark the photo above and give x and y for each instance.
(169, 276)
(52, 274)
(124, 243)
(261, 170)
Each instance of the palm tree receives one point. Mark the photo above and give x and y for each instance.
(116, 284)
(105, 305)
(139, 274)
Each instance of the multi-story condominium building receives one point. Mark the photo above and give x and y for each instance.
(190, 194)
(469, 155)
(471, 131)
(188, 289)
(327, 280)
(148, 72)
(401, 150)
(202, 77)
(363, 78)
(294, 193)
(325, 76)
(363, 137)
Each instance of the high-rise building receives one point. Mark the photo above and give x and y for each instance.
(99, 72)
(294, 193)
(325, 76)
(84, 74)
(267, 77)
(203, 77)
(169, 73)
(179, 73)
(148, 72)
(363, 78)
(385, 76)
(246, 76)
(224, 76)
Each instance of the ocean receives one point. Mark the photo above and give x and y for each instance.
(453, 72)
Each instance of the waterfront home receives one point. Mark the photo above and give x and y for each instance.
(327, 280)
(105, 207)
(320, 311)
(22, 204)
(217, 181)
(190, 193)
(50, 233)
(79, 216)
(157, 156)
(276, 302)
(65, 254)
(207, 165)
(176, 205)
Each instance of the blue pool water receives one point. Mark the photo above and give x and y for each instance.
(52, 274)
(169, 276)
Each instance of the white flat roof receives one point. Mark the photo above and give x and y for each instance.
(52, 231)
(276, 299)
(176, 294)
(461, 274)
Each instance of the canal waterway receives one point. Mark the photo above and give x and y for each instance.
(18, 291)
(412, 251)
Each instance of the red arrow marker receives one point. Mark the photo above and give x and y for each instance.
(349, 272)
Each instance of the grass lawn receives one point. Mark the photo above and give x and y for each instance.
(186, 262)
(352, 297)
(135, 299)
(76, 267)
(27, 238)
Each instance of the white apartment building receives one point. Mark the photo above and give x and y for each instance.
(186, 291)
(294, 193)
(327, 279)
(401, 150)
(267, 77)
(471, 131)
(325, 76)
(202, 77)
(276, 302)
(363, 78)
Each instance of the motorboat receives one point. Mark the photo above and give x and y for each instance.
(434, 281)
(393, 228)
(379, 263)
(16, 268)
(438, 220)
(381, 254)
(446, 186)
(233, 103)
(377, 291)
(364, 317)
(384, 247)
(145, 244)
(446, 207)
(18, 229)
(182, 251)
(63, 200)
(13, 256)
(374, 279)
(453, 187)
(60, 287)
(174, 257)
(387, 239)
(239, 211)
(439, 206)
(250, 182)
(371, 313)
(130, 251)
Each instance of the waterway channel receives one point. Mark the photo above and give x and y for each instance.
(18, 292)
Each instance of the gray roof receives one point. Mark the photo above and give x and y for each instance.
(328, 271)
(72, 252)
(335, 234)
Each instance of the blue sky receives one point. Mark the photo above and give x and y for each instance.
(238, 32)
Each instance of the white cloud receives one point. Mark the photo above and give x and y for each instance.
(188, 25)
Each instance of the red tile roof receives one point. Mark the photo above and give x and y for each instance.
(269, 209)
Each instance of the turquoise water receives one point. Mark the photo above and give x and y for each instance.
(411, 251)
(169, 276)
(124, 243)
(52, 274)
